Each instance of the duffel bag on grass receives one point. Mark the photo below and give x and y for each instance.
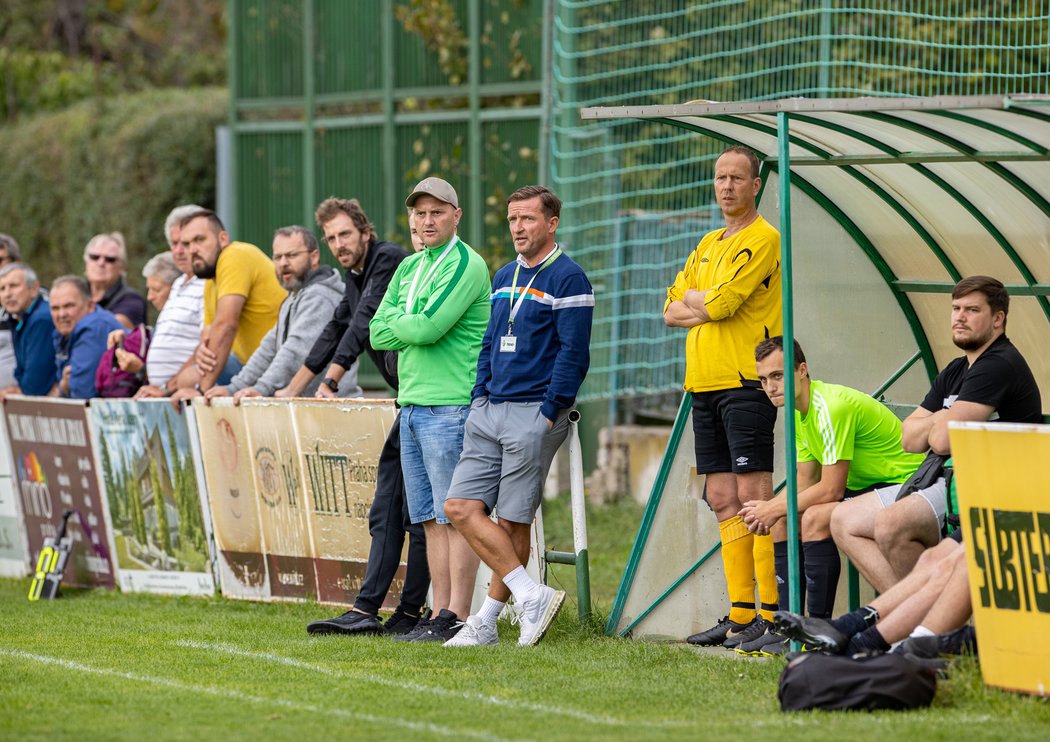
(885, 681)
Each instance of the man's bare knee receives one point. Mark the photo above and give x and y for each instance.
(815, 522)
(459, 510)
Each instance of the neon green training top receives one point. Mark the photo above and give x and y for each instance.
(844, 424)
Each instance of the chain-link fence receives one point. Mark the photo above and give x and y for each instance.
(638, 194)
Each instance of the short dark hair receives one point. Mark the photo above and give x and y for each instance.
(550, 203)
(992, 288)
(309, 238)
(213, 219)
(332, 207)
(756, 166)
(772, 345)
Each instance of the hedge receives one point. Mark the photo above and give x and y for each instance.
(119, 163)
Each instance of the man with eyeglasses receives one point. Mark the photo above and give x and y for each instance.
(314, 290)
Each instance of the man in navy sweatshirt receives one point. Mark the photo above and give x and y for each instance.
(533, 359)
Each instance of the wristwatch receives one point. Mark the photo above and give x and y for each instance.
(331, 383)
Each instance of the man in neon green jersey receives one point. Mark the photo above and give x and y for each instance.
(848, 444)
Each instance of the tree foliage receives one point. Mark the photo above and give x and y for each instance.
(53, 54)
(107, 164)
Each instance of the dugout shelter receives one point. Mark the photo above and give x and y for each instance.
(883, 204)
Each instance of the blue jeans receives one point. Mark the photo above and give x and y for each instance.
(232, 368)
(431, 441)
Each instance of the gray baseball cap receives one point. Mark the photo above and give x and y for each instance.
(436, 187)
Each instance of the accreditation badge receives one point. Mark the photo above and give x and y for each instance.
(508, 344)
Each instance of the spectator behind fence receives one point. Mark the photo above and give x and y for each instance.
(848, 443)
(884, 532)
(314, 291)
(134, 349)
(34, 347)
(369, 267)
(81, 329)
(105, 263)
(434, 314)
(533, 360)
(241, 299)
(728, 296)
(180, 322)
(9, 253)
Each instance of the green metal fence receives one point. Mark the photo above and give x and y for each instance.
(637, 194)
(364, 98)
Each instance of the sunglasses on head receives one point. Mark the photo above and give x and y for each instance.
(107, 258)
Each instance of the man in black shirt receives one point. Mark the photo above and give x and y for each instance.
(883, 535)
(369, 265)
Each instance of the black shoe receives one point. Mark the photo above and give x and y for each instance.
(960, 641)
(400, 623)
(754, 647)
(716, 635)
(752, 631)
(817, 633)
(421, 627)
(351, 622)
(440, 628)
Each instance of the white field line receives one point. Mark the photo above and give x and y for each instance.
(409, 685)
(235, 695)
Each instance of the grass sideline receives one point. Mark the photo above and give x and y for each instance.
(102, 665)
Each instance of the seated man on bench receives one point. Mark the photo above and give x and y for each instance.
(848, 443)
(884, 534)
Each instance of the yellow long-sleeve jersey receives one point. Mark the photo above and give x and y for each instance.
(741, 275)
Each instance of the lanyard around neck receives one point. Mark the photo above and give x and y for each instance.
(410, 300)
(515, 307)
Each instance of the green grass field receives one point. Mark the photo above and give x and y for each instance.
(102, 665)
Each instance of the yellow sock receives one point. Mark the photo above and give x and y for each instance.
(739, 562)
(766, 576)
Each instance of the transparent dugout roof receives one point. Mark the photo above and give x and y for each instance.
(931, 189)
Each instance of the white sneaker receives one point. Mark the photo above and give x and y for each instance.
(536, 615)
(474, 633)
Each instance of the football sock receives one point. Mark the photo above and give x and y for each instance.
(780, 558)
(490, 610)
(868, 640)
(823, 566)
(765, 576)
(739, 562)
(856, 621)
(521, 586)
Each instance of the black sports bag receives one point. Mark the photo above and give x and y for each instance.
(886, 681)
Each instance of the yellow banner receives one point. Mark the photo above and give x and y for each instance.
(1003, 479)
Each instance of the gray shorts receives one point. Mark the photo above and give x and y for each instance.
(507, 452)
(936, 496)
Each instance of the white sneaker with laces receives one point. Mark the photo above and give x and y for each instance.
(537, 614)
(475, 633)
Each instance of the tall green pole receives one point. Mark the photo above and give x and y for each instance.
(233, 76)
(790, 455)
(309, 153)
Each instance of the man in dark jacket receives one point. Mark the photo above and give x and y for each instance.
(369, 266)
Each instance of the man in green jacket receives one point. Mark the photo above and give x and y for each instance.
(434, 313)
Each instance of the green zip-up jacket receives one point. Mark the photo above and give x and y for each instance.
(439, 336)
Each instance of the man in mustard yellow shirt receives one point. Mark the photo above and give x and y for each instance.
(728, 296)
(242, 297)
